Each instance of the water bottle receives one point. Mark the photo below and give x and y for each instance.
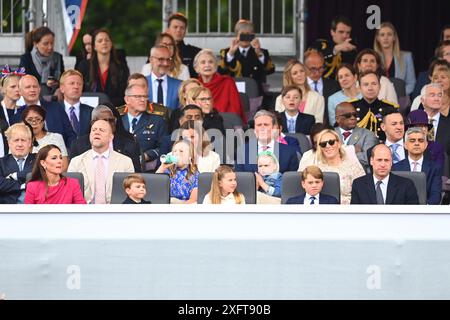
(168, 158)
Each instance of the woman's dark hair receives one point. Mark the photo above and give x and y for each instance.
(33, 138)
(38, 173)
(348, 66)
(113, 64)
(38, 109)
(380, 69)
(36, 35)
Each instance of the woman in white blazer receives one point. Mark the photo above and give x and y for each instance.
(397, 64)
(312, 103)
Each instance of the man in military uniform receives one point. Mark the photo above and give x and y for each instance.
(338, 50)
(245, 57)
(176, 27)
(370, 109)
(147, 128)
(152, 108)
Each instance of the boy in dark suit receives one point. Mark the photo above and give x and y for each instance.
(312, 183)
(135, 188)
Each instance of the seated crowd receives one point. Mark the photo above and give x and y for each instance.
(338, 115)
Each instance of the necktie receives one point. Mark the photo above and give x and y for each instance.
(346, 134)
(100, 182)
(395, 157)
(244, 53)
(74, 121)
(291, 126)
(265, 148)
(133, 124)
(160, 99)
(315, 86)
(312, 200)
(20, 163)
(431, 135)
(415, 163)
(380, 199)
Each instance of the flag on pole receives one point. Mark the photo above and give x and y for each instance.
(73, 12)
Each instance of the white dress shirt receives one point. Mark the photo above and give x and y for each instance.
(271, 147)
(288, 118)
(319, 85)
(155, 85)
(383, 186)
(418, 166)
(400, 149)
(76, 106)
(307, 199)
(241, 49)
(345, 141)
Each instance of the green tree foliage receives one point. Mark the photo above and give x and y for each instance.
(133, 24)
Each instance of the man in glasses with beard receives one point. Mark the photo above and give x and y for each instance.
(352, 135)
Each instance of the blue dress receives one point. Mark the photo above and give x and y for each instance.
(181, 188)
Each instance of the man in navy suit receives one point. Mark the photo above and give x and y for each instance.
(56, 119)
(148, 129)
(265, 122)
(383, 187)
(71, 86)
(312, 183)
(15, 166)
(293, 121)
(162, 88)
(416, 161)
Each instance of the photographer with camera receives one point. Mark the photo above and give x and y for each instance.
(245, 57)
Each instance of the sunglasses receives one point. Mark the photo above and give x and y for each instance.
(348, 115)
(330, 142)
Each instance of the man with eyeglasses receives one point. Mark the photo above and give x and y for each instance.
(339, 49)
(163, 89)
(315, 67)
(147, 128)
(351, 135)
(56, 118)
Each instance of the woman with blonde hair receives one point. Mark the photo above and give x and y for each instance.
(397, 63)
(183, 173)
(332, 157)
(9, 85)
(312, 102)
(185, 87)
(177, 69)
(224, 188)
(205, 159)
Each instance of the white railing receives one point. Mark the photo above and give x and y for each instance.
(211, 22)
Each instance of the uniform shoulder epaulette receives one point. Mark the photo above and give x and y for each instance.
(391, 103)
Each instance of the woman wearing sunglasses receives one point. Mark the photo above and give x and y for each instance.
(332, 157)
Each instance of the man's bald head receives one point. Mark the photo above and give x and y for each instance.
(29, 89)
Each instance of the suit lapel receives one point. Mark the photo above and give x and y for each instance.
(88, 164)
(125, 122)
(391, 189)
(371, 189)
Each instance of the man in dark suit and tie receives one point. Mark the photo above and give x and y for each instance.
(15, 166)
(71, 86)
(352, 135)
(56, 119)
(265, 122)
(293, 121)
(148, 129)
(417, 161)
(312, 183)
(315, 65)
(383, 187)
(162, 89)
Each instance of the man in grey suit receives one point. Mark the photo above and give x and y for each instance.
(351, 134)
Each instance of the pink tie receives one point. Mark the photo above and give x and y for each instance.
(100, 182)
(415, 166)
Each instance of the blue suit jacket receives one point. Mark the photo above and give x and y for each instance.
(171, 95)
(84, 120)
(434, 178)
(148, 132)
(323, 199)
(302, 125)
(287, 157)
(9, 188)
(399, 191)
